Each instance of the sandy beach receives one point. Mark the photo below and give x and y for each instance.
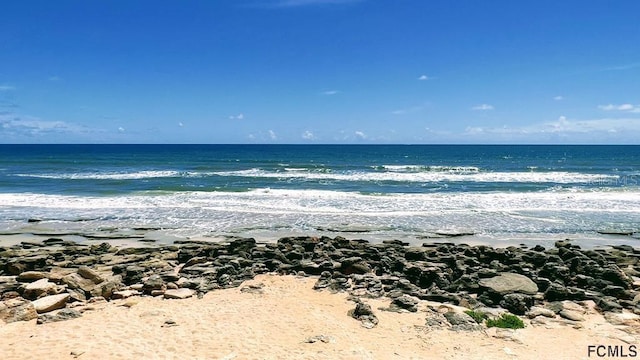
(281, 323)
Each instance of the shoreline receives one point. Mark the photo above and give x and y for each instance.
(36, 230)
(594, 292)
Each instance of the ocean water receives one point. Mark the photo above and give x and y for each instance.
(407, 192)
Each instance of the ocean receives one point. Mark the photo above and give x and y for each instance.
(416, 193)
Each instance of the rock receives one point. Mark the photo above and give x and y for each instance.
(517, 303)
(38, 288)
(253, 289)
(436, 319)
(406, 302)
(76, 282)
(29, 276)
(623, 318)
(608, 303)
(62, 315)
(364, 313)
(17, 309)
(124, 294)
(90, 274)
(319, 338)
(132, 274)
(181, 293)
(53, 241)
(535, 311)
(354, 265)
(461, 321)
(169, 323)
(50, 303)
(506, 283)
(154, 282)
(571, 315)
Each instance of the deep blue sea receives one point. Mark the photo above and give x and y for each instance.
(368, 191)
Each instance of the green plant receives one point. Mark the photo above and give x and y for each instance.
(506, 321)
(478, 316)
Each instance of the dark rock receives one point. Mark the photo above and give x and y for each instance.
(354, 265)
(405, 302)
(62, 315)
(506, 283)
(395, 242)
(364, 314)
(133, 274)
(516, 303)
(461, 321)
(154, 282)
(253, 289)
(608, 303)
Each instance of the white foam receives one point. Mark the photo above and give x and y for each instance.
(305, 210)
(431, 168)
(558, 177)
(147, 174)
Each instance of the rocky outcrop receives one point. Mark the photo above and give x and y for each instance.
(518, 279)
(17, 309)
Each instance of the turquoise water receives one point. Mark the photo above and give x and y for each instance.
(272, 190)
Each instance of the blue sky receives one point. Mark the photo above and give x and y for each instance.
(320, 71)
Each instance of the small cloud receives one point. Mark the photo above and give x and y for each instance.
(6, 88)
(558, 98)
(330, 92)
(17, 125)
(360, 135)
(180, 124)
(272, 135)
(410, 110)
(120, 129)
(307, 135)
(622, 67)
(482, 107)
(251, 137)
(55, 78)
(424, 78)
(236, 117)
(622, 107)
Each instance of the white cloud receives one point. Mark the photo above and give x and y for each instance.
(55, 78)
(622, 67)
(424, 77)
(251, 136)
(272, 135)
(180, 124)
(6, 88)
(330, 92)
(120, 129)
(622, 107)
(360, 135)
(596, 130)
(307, 135)
(558, 98)
(482, 107)
(413, 109)
(14, 125)
(236, 117)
